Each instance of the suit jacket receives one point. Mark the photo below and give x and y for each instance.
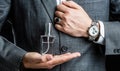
(28, 19)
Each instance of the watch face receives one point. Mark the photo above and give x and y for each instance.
(93, 31)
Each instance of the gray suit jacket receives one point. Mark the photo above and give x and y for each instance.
(28, 18)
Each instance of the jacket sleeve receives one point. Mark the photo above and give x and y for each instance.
(9, 53)
(112, 29)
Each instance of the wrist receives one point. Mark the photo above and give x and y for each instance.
(86, 35)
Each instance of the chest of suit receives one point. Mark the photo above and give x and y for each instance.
(32, 15)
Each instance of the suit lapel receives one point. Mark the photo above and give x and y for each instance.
(50, 7)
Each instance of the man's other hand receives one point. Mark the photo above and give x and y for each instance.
(35, 60)
(74, 20)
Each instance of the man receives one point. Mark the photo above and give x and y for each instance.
(79, 27)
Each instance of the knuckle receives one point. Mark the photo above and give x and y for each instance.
(49, 64)
(66, 17)
(56, 12)
(65, 29)
(70, 11)
(58, 6)
(67, 10)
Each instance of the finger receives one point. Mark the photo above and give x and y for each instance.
(71, 4)
(71, 55)
(59, 27)
(59, 14)
(63, 8)
(57, 56)
(64, 58)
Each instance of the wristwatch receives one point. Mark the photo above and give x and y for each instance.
(93, 31)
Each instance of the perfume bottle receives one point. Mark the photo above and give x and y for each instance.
(47, 40)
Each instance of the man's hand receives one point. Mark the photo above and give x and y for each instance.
(47, 61)
(73, 19)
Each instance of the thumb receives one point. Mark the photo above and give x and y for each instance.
(46, 57)
(32, 57)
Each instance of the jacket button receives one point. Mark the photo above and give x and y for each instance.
(64, 49)
(116, 50)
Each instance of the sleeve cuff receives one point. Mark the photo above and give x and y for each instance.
(102, 34)
(11, 53)
(112, 40)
